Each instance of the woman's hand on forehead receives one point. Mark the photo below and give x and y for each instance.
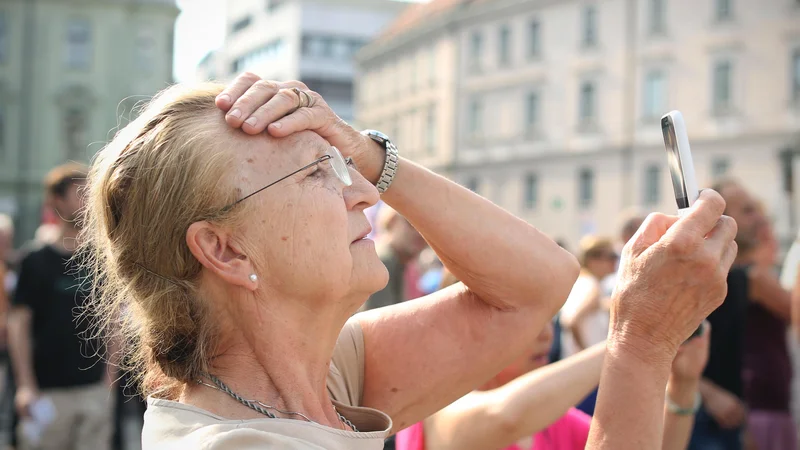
(256, 105)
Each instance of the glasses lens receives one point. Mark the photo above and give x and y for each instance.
(340, 167)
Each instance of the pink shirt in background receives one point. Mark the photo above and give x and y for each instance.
(570, 432)
(411, 280)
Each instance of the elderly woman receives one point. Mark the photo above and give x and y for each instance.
(239, 257)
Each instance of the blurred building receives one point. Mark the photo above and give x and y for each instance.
(309, 40)
(551, 108)
(70, 73)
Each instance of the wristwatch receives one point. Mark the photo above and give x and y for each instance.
(392, 158)
(674, 408)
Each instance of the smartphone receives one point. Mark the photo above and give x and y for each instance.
(679, 157)
(681, 168)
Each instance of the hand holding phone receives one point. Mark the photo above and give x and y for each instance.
(681, 168)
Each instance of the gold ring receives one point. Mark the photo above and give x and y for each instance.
(299, 98)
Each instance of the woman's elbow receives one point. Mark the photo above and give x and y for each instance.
(564, 270)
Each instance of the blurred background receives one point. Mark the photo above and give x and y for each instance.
(548, 108)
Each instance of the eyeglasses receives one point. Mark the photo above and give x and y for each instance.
(338, 162)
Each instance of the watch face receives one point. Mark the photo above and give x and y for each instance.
(377, 134)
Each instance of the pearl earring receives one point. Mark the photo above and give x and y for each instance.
(253, 277)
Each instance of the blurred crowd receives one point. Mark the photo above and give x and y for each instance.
(61, 387)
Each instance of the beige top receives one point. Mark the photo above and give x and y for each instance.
(594, 325)
(171, 425)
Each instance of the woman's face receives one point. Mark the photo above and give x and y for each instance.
(537, 356)
(306, 231)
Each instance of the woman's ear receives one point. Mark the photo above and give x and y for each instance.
(217, 252)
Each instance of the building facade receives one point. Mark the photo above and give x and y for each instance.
(551, 108)
(312, 41)
(70, 74)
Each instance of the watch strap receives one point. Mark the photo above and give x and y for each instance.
(391, 163)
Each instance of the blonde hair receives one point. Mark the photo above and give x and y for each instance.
(592, 246)
(160, 174)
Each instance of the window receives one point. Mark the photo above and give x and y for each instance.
(475, 121)
(505, 45)
(308, 45)
(531, 191)
(326, 46)
(534, 39)
(79, 44)
(796, 75)
(145, 51)
(531, 112)
(354, 46)
(476, 50)
(657, 20)
(260, 55)
(272, 5)
(431, 127)
(654, 94)
(652, 185)
(723, 9)
(3, 37)
(585, 188)
(719, 167)
(590, 26)
(76, 125)
(723, 86)
(587, 102)
(241, 24)
(473, 184)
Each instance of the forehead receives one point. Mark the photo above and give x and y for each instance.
(265, 155)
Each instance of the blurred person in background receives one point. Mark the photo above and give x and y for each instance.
(584, 317)
(528, 406)
(767, 367)
(790, 280)
(7, 257)
(432, 271)
(8, 282)
(54, 360)
(748, 364)
(398, 245)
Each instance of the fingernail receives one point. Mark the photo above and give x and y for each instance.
(235, 113)
(277, 125)
(225, 98)
(251, 121)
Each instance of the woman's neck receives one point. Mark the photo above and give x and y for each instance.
(278, 354)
